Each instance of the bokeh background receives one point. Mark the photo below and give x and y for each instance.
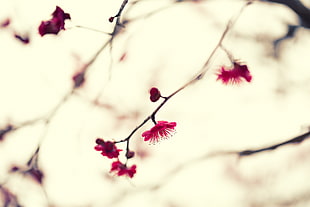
(165, 43)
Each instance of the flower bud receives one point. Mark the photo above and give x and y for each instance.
(130, 154)
(111, 19)
(154, 94)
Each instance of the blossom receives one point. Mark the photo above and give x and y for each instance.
(154, 94)
(122, 169)
(54, 25)
(107, 148)
(234, 75)
(162, 130)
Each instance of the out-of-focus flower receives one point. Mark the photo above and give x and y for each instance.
(54, 25)
(123, 57)
(121, 169)
(162, 130)
(78, 79)
(154, 94)
(234, 75)
(5, 23)
(107, 149)
(130, 154)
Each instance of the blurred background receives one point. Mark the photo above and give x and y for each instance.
(163, 44)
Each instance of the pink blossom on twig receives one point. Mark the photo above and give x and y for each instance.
(162, 130)
(234, 75)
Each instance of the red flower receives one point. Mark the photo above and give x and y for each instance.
(122, 169)
(235, 75)
(162, 130)
(56, 24)
(154, 94)
(107, 148)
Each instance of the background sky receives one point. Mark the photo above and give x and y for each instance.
(164, 50)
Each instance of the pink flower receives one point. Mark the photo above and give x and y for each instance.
(162, 130)
(56, 24)
(234, 75)
(122, 169)
(107, 149)
(154, 94)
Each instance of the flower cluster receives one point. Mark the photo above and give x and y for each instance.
(234, 75)
(110, 150)
(162, 130)
(54, 25)
(107, 149)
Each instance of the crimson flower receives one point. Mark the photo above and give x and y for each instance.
(234, 75)
(54, 25)
(122, 169)
(162, 130)
(107, 148)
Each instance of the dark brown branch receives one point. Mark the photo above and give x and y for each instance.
(295, 140)
(299, 8)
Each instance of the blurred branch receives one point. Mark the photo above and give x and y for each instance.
(166, 178)
(299, 8)
(301, 11)
(295, 140)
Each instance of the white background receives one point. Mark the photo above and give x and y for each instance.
(163, 50)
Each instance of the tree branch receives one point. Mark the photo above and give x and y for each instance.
(299, 8)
